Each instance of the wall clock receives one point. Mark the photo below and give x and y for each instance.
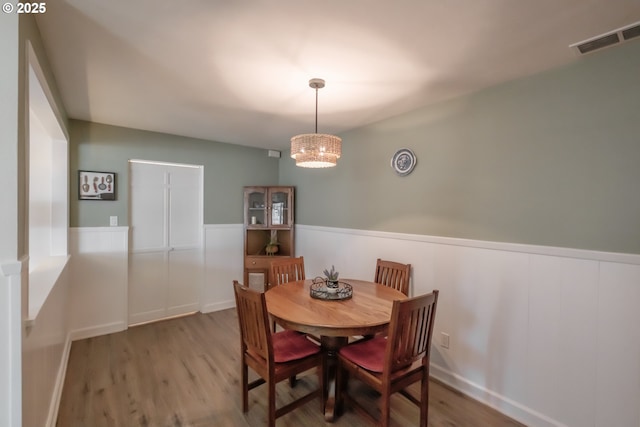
(403, 161)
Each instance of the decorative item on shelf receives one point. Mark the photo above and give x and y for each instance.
(316, 150)
(272, 247)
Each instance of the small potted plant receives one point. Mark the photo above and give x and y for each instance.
(272, 247)
(331, 279)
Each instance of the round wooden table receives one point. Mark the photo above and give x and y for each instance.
(367, 312)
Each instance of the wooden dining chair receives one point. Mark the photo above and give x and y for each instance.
(284, 270)
(390, 364)
(287, 270)
(273, 356)
(393, 274)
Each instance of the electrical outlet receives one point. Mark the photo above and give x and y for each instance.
(444, 340)
(113, 221)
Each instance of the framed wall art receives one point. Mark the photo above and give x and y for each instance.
(96, 185)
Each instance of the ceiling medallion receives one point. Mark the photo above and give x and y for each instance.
(403, 161)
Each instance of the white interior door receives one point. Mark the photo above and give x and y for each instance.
(165, 261)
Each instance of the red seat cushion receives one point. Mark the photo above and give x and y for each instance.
(291, 345)
(369, 354)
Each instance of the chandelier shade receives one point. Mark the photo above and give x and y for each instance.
(316, 150)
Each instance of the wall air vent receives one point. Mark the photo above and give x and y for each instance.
(611, 38)
(631, 32)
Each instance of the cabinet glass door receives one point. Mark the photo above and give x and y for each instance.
(256, 204)
(279, 207)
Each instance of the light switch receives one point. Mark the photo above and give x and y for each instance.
(113, 221)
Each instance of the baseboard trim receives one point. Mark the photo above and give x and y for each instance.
(492, 399)
(56, 396)
(94, 331)
(218, 306)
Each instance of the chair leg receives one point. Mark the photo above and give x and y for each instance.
(424, 401)
(272, 403)
(385, 409)
(321, 383)
(341, 383)
(245, 387)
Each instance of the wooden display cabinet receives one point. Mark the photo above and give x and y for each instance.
(268, 218)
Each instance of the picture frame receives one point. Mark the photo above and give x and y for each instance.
(93, 185)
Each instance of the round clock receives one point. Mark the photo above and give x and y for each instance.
(403, 161)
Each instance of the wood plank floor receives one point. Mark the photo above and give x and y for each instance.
(185, 372)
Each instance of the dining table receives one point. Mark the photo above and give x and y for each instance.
(367, 311)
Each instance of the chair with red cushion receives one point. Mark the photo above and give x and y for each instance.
(284, 270)
(393, 274)
(390, 364)
(273, 356)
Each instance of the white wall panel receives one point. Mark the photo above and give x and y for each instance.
(13, 307)
(223, 264)
(618, 352)
(148, 298)
(563, 320)
(185, 206)
(98, 290)
(45, 351)
(148, 193)
(546, 335)
(185, 281)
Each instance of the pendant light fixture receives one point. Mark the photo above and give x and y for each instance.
(316, 150)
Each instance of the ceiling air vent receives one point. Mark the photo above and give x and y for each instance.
(611, 38)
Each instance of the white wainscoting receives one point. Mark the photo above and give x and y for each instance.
(13, 308)
(99, 269)
(45, 351)
(99, 285)
(548, 336)
(223, 264)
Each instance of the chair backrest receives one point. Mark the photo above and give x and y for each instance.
(410, 331)
(285, 270)
(254, 321)
(393, 274)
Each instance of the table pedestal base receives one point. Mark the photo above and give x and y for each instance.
(330, 346)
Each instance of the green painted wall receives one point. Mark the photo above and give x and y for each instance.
(553, 159)
(227, 168)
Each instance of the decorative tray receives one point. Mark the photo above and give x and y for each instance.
(320, 290)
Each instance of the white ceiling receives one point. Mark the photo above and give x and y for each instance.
(237, 71)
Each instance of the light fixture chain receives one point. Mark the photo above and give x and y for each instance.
(316, 109)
